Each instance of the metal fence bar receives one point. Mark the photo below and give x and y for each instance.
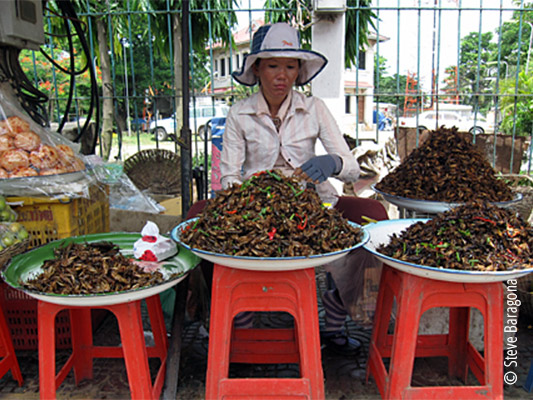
(483, 92)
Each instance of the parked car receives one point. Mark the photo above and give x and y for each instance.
(198, 118)
(448, 119)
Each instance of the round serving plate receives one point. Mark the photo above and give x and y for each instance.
(27, 265)
(265, 263)
(434, 207)
(381, 232)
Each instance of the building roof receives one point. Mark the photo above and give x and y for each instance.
(244, 35)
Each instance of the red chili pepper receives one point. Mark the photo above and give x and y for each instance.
(232, 212)
(303, 222)
(513, 255)
(259, 173)
(486, 220)
(272, 233)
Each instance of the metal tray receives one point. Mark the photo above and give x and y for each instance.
(434, 207)
(380, 233)
(29, 264)
(265, 263)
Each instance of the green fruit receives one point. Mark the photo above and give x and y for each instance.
(15, 227)
(5, 215)
(3, 203)
(23, 234)
(1, 247)
(8, 240)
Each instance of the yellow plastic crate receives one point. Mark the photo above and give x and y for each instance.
(48, 219)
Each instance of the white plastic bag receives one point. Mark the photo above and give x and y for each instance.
(152, 246)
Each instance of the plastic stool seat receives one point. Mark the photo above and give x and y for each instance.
(415, 295)
(133, 349)
(294, 292)
(9, 360)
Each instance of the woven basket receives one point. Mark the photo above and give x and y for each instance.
(12, 251)
(157, 171)
(525, 206)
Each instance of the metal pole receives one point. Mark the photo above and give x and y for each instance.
(185, 134)
(124, 42)
(530, 41)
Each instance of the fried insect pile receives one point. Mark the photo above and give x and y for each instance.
(476, 236)
(270, 215)
(89, 268)
(446, 168)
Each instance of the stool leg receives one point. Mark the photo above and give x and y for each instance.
(157, 322)
(135, 354)
(386, 302)
(457, 340)
(382, 318)
(309, 340)
(82, 343)
(47, 349)
(221, 323)
(493, 327)
(404, 343)
(10, 359)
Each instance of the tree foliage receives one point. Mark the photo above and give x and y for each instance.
(517, 105)
(476, 52)
(388, 89)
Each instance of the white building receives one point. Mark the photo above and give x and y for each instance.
(358, 83)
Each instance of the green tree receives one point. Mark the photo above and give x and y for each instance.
(510, 33)
(517, 105)
(476, 51)
(388, 89)
(53, 82)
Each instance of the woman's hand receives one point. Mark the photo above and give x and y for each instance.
(319, 168)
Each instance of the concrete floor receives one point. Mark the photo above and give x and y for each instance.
(344, 377)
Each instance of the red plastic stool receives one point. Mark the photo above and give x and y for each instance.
(414, 295)
(294, 292)
(133, 349)
(7, 352)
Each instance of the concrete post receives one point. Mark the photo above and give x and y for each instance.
(328, 39)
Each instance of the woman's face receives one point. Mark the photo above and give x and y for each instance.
(277, 76)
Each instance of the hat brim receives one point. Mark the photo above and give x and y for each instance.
(312, 63)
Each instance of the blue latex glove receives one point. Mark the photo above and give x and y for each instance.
(320, 168)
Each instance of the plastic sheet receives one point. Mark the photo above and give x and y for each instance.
(34, 161)
(123, 194)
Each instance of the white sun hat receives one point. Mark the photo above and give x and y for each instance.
(280, 40)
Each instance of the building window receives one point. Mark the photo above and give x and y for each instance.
(222, 67)
(237, 65)
(215, 65)
(362, 60)
(347, 107)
